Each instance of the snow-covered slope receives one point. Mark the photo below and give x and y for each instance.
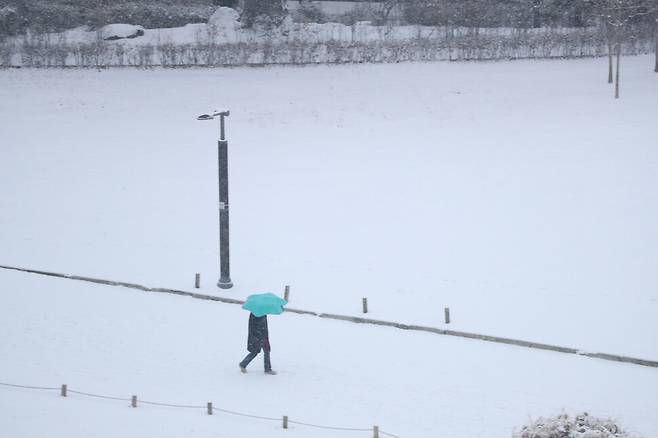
(176, 350)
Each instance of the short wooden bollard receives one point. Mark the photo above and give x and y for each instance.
(209, 408)
(446, 312)
(285, 421)
(134, 401)
(375, 431)
(64, 389)
(286, 294)
(365, 305)
(197, 281)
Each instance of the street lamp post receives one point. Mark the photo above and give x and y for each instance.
(222, 161)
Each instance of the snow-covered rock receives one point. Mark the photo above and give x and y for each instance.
(119, 31)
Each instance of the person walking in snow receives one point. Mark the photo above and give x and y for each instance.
(258, 340)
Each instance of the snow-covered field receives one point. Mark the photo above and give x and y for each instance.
(176, 350)
(519, 194)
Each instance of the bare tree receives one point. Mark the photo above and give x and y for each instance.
(608, 31)
(617, 15)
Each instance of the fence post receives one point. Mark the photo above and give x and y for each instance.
(365, 305)
(375, 431)
(209, 408)
(63, 390)
(286, 294)
(285, 421)
(197, 281)
(134, 401)
(447, 314)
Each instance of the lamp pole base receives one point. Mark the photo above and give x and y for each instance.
(224, 283)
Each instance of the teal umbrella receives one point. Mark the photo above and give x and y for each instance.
(264, 304)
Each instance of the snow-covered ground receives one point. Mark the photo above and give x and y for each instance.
(119, 342)
(519, 194)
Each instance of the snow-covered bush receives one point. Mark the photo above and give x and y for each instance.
(119, 31)
(224, 25)
(224, 41)
(6, 52)
(580, 426)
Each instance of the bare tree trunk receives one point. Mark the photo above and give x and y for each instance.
(610, 62)
(609, 36)
(617, 72)
(656, 69)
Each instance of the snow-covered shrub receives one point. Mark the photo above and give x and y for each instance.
(96, 53)
(6, 52)
(224, 42)
(580, 426)
(144, 56)
(224, 25)
(225, 17)
(119, 31)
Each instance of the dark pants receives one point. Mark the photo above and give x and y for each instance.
(251, 356)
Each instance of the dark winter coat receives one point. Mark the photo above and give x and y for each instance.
(258, 335)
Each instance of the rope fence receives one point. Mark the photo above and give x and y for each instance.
(28, 387)
(65, 391)
(317, 426)
(388, 434)
(167, 405)
(95, 395)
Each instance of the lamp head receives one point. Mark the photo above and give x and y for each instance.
(216, 113)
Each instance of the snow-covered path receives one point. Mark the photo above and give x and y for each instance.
(356, 319)
(519, 194)
(120, 342)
